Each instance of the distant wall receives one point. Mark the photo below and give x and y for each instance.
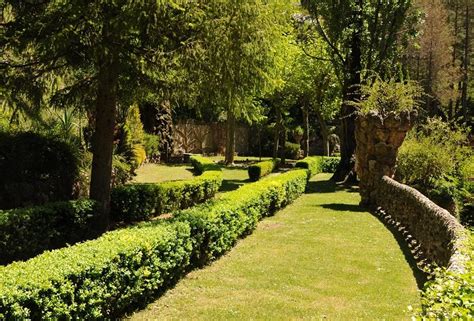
(197, 137)
(438, 233)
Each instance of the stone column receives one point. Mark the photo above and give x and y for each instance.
(378, 139)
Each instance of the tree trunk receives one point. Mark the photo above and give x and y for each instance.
(351, 92)
(103, 142)
(465, 81)
(282, 147)
(324, 131)
(276, 137)
(230, 139)
(305, 129)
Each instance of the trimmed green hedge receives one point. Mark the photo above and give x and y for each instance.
(123, 269)
(138, 202)
(203, 164)
(258, 170)
(216, 226)
(319, 164)
(26, 232)
(99, 279)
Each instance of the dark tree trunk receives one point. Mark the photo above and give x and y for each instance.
(230, 139)
(324, 131)
(276, 137)
(282, 147)
(467, 53)
(305, 129)
(351, 92)
(105, 114)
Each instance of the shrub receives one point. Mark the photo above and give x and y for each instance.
(217, 225)
(123, 269)
(311, 163)
(435, 160)
(152, 145)
(35, 170)
(258, 170)
(329, 164)
(98, 279)
(26, 232)
(203, 164)
(137, 202)
(449, 295)
(292, 150)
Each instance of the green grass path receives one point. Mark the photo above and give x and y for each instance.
(320, 258)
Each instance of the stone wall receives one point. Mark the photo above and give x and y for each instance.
(378, 139)
(438, 234)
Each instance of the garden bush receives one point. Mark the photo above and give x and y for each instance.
(329, 164)
(311, 163)
(292, 150)
(217, 225)
(449, 295)
(434, 159)
(98, 279)
(137, 202)
(258, 170)
(35, 169)
(123, 269)
(26, 232)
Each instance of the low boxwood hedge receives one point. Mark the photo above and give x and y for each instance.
(319, 164)
(258, 170)
(26, 232)
(98, 279)
(137, 202)
(216, 225)
(123, 269)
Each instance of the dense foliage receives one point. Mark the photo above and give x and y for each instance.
(450, 294)
(26, 232)
(436, 160)
(123, 269)
(35, 169)
(261, 169)
(319, 164)
(137, 202)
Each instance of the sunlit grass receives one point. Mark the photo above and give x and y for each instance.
(320, 258)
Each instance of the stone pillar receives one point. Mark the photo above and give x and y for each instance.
(378, 139)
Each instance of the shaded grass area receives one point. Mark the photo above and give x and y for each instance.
(320, 258)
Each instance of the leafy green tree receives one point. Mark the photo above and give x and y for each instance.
(362, 38)
(239, 56)
(104, 52)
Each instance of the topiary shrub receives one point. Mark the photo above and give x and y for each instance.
(258, 170)
(329, 164)
(312, 163)
(35, 170)
(26, 232)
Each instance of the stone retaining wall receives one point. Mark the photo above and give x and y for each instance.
(439, 235)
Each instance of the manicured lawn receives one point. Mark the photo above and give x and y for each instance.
(320, 258)
(153, 173)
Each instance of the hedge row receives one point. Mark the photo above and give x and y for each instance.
(26, 232)
(216, 226)
(258, 170)
(137, 202)
(319, 164)
(123, 269)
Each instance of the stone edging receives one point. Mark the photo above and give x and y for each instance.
(432, 233)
